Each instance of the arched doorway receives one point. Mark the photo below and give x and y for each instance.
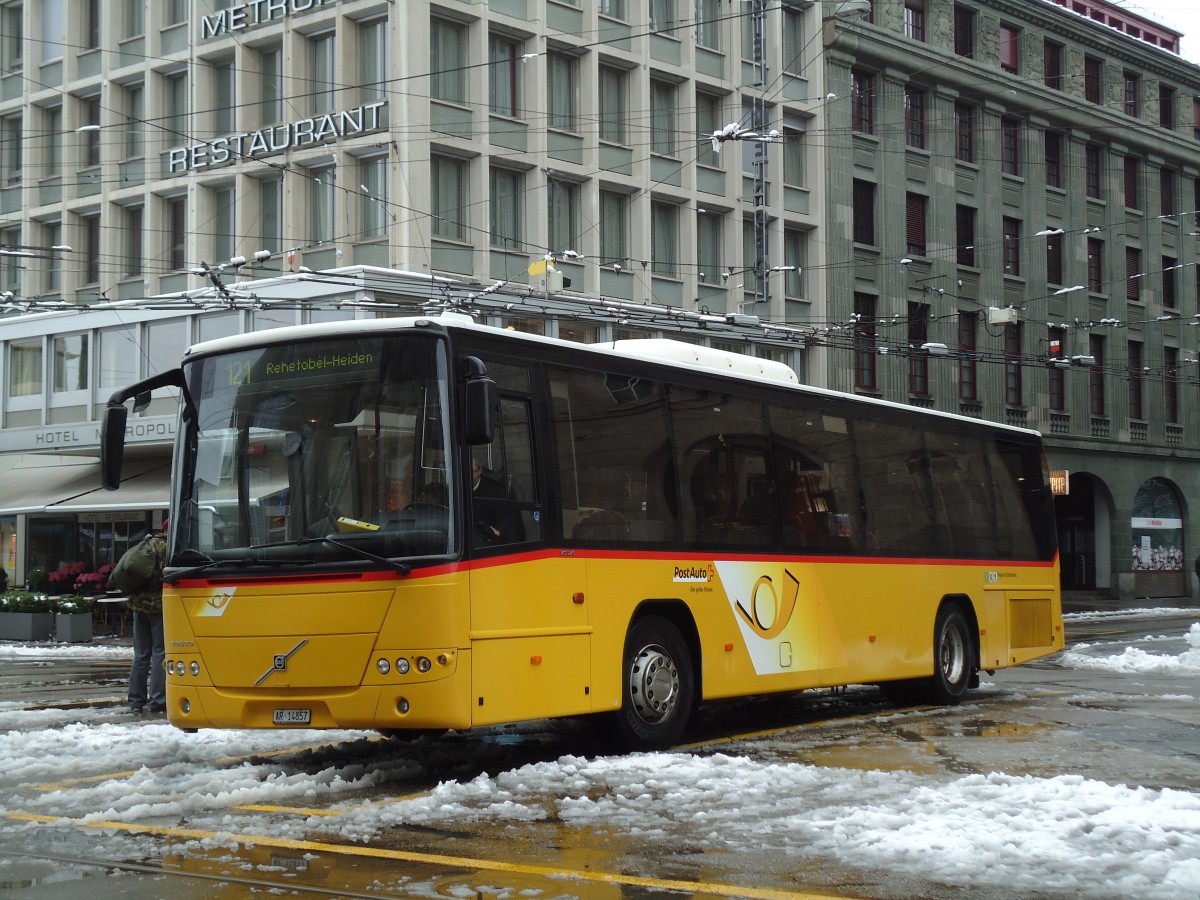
(1157, 554)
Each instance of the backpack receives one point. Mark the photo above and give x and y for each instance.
(136, 568)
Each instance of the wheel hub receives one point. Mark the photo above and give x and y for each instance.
(653, 684)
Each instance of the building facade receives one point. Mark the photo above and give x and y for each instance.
(733, 173)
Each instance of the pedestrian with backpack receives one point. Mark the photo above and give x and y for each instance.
(139, 573)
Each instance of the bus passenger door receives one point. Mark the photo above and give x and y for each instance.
(529, 628)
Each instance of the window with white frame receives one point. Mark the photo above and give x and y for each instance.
(447, 61)
(69, 363)
(611, 101)
(448, 197)
(322, 197)
(25, 368)
(507, 194)
(614, 228)
(662, 117)
(118, 357)
(504, 75)
(372, 172)
(664, 238)
(562, 76)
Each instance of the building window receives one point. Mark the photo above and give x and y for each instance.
(1057, 378)
(372, 60)
(1054, 265)
(1096, 398)
(614, 232)
(322, 83)
(918, 358)
(964, 132)
(132, 244)
(11, 267)
(224, 97)
(1010, 48)
(708, 30)
(174, 11)
(224, 219)
(914, 119)
(1095, 265)
(1052, 64)
(12, 38)
(914, 19)
(708, 247)
(69, 363)
(562, 72)
(662, 15)
(90, 228)
(504, 82)
(53, 29)
(447, 61)
(1013, 388)
(135, 18)
(1093, 79)
(964, 234)
(25, 368)
(1011, 229)
(864, 342)
(964, 31)
(373, 182)
(1132, 90)
(52, 158)
(507, 193)
(135, 121)
(793, 157)
(1133, 274)
(1092, 174)
(662, 118)
(914, 220)
(664, 239)
(270, 85)
(968, 380)
(612, 107)
(1170, 281)
(448, 197)
(12, 141)
(1010, 146)
(864, 212)
(1136, 377)
(562, 213)
(1166, 191)
(270, 201)
(614, 9)
(175, 95)
(1196, 118)
(1053, 159)
(177, 232)
(1171, 384)
(793, 41)
(862, 90)
(795, 257)
(1131, 182)
(1166, 106)
(322, 200)
(91, 130)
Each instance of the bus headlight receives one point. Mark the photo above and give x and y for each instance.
(383, 666)
(402, 665)
(194, 668)
(180, 668)
(423, 664)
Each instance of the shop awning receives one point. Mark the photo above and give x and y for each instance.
(147, 489)
(32, 483)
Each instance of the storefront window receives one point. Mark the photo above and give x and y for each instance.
(1157, 525)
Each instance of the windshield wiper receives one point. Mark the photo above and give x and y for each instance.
(402, 568)
(238, 561)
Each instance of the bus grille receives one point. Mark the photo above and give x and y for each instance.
(1031, 626)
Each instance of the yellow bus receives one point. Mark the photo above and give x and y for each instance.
(427, 523)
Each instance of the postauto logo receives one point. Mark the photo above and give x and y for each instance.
(694, 573)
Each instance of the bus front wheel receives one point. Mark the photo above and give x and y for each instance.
(953, 656)
(658, 685)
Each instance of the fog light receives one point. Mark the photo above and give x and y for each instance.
(179, 667)
(443, 659)
(194, 668)
(402, 665)
(185, 706)
(423, 664)
(402, 706)
(383, 666)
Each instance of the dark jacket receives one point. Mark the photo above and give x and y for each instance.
(148, 598)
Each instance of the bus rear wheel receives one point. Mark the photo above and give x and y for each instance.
(658, 685)
(953, 657)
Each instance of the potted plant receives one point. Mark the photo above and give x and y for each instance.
(26, 616)
(62, 580)
(73, 619)
(38, 579)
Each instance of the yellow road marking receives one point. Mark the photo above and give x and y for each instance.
(462, 862)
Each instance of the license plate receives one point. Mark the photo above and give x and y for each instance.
(292, 716)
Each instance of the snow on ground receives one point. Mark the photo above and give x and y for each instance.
(1069, 832)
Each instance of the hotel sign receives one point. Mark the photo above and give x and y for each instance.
(1060, 482)
(277, 138)
(240, 16)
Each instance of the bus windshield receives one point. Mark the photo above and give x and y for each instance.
(327, 451)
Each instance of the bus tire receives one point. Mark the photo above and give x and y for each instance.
(657, 685)
(954, 659)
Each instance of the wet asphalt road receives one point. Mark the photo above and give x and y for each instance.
(1043, 719)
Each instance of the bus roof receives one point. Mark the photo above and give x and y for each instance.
(661, 351)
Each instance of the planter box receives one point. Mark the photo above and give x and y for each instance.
(22, 626)
(73, 628)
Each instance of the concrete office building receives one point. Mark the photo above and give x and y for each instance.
(979, 207)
